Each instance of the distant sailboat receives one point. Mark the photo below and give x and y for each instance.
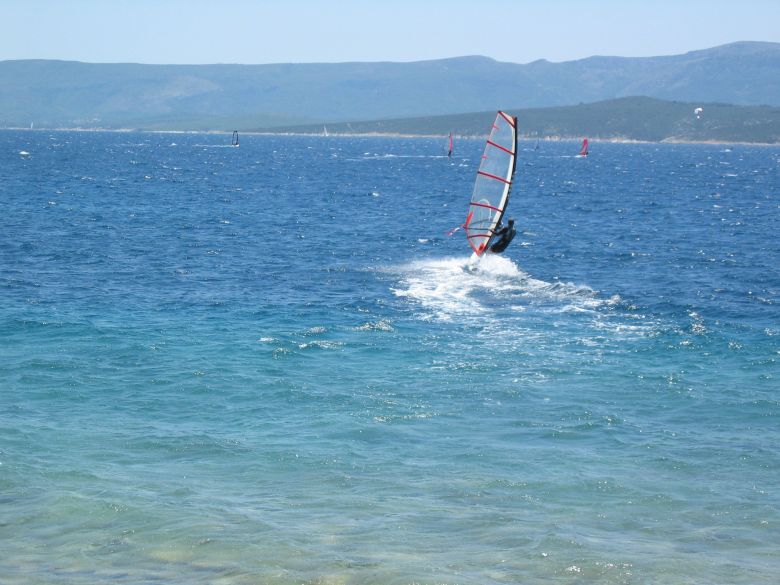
(325, 131)
(234, 142)
(584, 148)
(449, 152)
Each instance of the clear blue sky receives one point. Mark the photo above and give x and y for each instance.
(300, 31)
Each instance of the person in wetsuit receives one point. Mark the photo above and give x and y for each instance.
(503, 236)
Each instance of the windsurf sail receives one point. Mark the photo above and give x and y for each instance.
(449, 152)
(234, 142)
(493, 183)
(584, 148)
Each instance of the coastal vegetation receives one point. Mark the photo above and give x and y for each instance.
(635, 118)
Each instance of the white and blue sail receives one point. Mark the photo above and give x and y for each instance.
(493, 183)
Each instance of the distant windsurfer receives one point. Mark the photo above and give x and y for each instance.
(503, 237)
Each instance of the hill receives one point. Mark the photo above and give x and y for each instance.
(225, 97)
(636, 118)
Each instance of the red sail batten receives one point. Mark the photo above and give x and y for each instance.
(506, 150)
(509, 119)
(482, 205)
(489, 176)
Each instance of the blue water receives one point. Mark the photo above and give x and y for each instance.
(269, 364)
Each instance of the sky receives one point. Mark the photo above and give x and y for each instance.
(328, 31)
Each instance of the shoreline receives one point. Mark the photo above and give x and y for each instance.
(622, 140)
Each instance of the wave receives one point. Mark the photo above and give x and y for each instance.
(459, 285)
(496, 294)
(212, 145)
(367, 156)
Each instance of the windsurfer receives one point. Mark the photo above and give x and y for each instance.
(504, 236)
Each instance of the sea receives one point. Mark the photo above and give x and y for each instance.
(274, 364)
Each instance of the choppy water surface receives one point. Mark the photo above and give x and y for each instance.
(269, 364)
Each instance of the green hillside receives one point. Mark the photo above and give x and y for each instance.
(636, 118)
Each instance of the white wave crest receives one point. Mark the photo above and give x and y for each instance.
(499, 298)
(457, 287)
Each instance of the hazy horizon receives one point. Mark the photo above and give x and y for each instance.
(384, 61)
(180, 32)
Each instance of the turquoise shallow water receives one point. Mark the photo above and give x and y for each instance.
(270, 365)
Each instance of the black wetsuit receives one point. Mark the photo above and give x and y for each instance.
(503, 238)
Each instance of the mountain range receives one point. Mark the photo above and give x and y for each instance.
(54, 94)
